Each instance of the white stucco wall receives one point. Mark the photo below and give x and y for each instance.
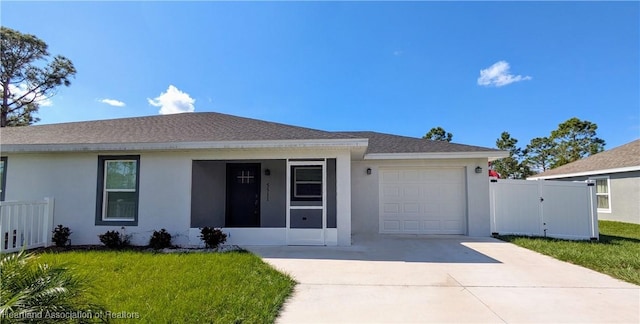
(365, 195)
(164, 198)
(625, 198)
(164, 193)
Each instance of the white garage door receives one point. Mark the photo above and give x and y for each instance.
(422, 200)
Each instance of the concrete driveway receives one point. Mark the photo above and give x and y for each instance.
(412, 279)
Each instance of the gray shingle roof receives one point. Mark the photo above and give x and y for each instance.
(187, 127)
(388, 143)
(624, 156)
(210, 127)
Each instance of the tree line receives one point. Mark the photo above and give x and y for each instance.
(573, 140)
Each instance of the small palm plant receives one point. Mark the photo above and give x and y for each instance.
(28, 287)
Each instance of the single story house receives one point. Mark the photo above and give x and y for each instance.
(261, 182)
(617, 175)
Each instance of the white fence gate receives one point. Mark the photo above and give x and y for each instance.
(25, 224)
(559, 209)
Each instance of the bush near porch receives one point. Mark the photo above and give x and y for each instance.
(231, 287)
(616, 254)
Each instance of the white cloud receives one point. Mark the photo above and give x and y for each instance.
(19, 90)
(498, 75)
(113, 102)
(173, 101)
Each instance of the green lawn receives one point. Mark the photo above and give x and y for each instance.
(616, 254)
(232, 287)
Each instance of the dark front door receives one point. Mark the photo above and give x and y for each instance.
(243, 195)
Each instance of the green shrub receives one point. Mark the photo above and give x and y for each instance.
(114, 240)
(212, 237)
(160, 239)
(61, 235)
(30, 287)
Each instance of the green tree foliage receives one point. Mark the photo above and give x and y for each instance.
(513, 166)
(29, 287)
(575, 139)
(438, 134)
(24, 77)
(540, 153)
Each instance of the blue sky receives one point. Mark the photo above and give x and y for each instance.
(476, 68)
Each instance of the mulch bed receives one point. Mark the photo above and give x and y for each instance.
(176, 249)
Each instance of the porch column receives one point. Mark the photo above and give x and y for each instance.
(343, 198)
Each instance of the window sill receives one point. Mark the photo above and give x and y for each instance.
(117, 222)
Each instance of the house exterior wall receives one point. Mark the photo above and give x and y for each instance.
(164, 191)
(365, 193)
(624, 196)
(71, 179)
(207, 193)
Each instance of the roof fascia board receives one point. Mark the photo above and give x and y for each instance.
(440, 155)
(313, 143)
(587, 173)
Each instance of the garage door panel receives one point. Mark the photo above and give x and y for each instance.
(390, 176)
(391, 191)
(423, 201)
(431, 225)
(410, 176)
(411, 192)
(411, 208)
(411, 226)
(451, 225)
(392, 208)
(391, 226)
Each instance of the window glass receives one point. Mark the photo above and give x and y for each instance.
(603, 202)
(602, 185)
(121, 175)
(307, 182)
(602, 194)
(121, 205)
(245, 177)
(309, 174)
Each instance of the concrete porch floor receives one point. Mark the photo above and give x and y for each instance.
(413, 279)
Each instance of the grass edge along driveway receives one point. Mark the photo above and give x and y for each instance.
(232, 287)
(617, 253)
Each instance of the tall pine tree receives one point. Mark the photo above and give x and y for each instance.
(25, 80)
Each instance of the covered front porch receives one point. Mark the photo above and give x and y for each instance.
(273, 201)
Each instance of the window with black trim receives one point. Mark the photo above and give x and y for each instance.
(3, 176)
(307, 183)
(118, 182)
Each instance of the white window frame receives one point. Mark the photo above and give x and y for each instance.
(608, 194)
(296, 182)
(105, 196)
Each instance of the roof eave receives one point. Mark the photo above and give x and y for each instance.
(586, 173)
(491, 155)
(169, 146)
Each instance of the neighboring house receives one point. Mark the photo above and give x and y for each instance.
(617, 176)
(262, 182)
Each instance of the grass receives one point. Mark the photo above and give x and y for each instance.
(232, 287)
(616, 254)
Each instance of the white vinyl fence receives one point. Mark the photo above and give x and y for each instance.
(25, 224)
(559, 209)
